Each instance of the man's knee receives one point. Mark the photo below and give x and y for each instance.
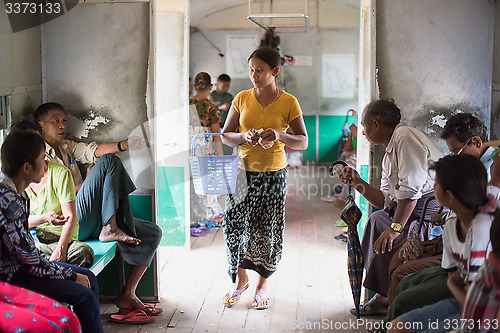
(109, 159)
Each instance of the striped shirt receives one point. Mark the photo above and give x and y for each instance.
(468, 254)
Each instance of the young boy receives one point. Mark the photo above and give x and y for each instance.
(221, 97)
(23, 162)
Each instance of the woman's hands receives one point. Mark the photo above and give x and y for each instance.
(59, 254)
(55, 219)
(268, 135)
(250, 138)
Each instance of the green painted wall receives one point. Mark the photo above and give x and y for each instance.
(309, 155)
(171, 206)
(363, 203)
(142, 207)
(330, 133)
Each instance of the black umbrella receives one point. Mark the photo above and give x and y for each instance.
(351, 214)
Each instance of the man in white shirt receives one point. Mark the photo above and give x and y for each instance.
(406, 183)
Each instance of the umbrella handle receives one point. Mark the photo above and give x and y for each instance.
(344, 164)
(424, 209)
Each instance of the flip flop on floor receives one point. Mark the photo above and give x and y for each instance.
(136, 317)
(231, 299)
(376, 309)
(257, 299)
(148, 308)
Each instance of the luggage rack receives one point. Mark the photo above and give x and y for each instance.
(267, 20)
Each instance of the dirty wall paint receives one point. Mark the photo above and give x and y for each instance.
(96, 66)
(434, 59)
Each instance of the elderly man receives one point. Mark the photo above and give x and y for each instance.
(405, 184)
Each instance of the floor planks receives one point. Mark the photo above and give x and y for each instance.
(310, 292)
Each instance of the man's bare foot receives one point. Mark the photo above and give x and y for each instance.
(108, 235)
(128, 302)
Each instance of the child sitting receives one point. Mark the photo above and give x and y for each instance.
(460, 185)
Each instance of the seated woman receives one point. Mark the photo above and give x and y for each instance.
(53, 214)
(102, 202)
(23, 310)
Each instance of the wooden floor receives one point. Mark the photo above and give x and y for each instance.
(310, 292)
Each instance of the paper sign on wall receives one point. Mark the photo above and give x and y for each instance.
(238, 50)
(338, 76)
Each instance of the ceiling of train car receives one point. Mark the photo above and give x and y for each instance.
(203, 9)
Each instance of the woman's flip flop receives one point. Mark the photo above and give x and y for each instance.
(231, 299)
(266, 301)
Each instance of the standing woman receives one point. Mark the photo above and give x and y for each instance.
(255, 214)
(204, 117)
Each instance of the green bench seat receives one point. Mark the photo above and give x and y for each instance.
(103, 253)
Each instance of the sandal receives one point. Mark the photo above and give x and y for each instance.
(136, 317)
(198, 231)
(261, 299)
(231, 299)
(376, 309)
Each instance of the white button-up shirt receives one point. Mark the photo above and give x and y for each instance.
(72, 152)
(405, 167)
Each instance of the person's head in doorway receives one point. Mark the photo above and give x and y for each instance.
(202, 82)
(379, 120)
(465, 134)
(223, 83)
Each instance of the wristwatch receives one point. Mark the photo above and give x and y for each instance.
(397, 227)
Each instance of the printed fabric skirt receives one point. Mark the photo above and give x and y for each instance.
(255, 221)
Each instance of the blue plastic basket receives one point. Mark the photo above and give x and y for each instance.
(213, 174)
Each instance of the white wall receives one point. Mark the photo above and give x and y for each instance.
(20, 67)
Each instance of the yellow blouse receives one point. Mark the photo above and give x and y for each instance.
(253, 115)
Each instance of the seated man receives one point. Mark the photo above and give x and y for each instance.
(23, 162)
(102, 203)
(405, 185)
